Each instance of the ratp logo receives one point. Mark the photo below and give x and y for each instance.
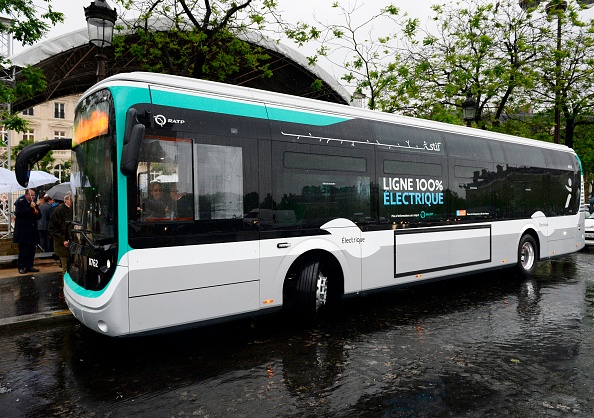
(162, 120)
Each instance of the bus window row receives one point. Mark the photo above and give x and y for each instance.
(212, 190)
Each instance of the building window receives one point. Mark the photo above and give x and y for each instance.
(59, 110)
(59, 134)
(29, 135)
(29, 112)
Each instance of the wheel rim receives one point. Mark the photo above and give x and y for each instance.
(321, 290)
(527, 256)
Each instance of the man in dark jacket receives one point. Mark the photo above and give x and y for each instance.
(45, 240)
(58, 229)
(25, 230)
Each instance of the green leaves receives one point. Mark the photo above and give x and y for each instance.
(27, 27)
(200, 39)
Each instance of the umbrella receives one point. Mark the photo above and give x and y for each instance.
(9, 183)
(59, 191)
(39, 178)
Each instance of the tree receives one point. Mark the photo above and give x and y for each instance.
(482, 48)
(372, 65)
(26, 27)
(565, 71)
(196, 38)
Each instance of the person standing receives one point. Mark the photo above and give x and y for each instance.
(26, 234)
(58, 228)
(45, 240)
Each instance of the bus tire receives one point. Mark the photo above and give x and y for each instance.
(527, 255)
(311, 291)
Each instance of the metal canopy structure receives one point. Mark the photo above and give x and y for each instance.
(69, 64)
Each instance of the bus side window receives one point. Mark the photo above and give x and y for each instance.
(165, 185)
(313, 185)
(219, 182)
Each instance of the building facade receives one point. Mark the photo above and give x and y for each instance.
(50, 120)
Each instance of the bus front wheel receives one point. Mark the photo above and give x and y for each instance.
(311, 291)
(527, 255)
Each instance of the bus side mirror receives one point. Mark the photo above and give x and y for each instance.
(33, 153)
(132, 141)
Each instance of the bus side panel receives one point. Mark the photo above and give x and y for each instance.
(565, 235)
(174, 269)
(185, 307)
(431, 250)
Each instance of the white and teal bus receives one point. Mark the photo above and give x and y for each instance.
(290, 203)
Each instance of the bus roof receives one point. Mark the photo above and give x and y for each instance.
(233, 92)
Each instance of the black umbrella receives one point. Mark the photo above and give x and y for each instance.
(59, 191)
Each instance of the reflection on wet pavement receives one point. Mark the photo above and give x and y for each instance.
(486, 345)
(30, 294)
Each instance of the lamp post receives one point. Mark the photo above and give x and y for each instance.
(100, 22)
(469, 109)
(557, 8)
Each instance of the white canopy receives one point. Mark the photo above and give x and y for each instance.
(68, 41)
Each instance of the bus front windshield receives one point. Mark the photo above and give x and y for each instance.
(92, 171)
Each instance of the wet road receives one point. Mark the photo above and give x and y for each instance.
(485, 345)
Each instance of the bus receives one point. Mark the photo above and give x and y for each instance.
(290, 203)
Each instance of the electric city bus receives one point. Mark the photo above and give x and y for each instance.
(270, 201)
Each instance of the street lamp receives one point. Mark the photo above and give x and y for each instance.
(359, 99)
(100, 22)
(469, 109)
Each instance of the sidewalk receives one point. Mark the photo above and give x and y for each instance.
(27, 299)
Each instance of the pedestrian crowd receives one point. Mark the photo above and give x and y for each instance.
(42, 222)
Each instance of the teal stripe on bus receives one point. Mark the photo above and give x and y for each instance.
(250, 110)
(81, 291)
(294, 116)
(123, 98)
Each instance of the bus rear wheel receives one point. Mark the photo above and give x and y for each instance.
(527, 255)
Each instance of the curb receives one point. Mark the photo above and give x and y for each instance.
(28, 321)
